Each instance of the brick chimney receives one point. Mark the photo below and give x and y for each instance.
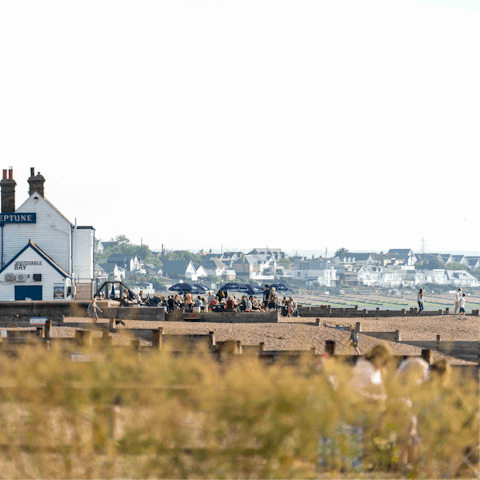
(8, 192)
(36, 183)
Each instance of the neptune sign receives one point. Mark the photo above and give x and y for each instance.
(17, 218)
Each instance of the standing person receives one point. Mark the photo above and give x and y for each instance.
(188, 301)
(420, 301)
(462, 306)
(93, 309)
(458, 297)
(353, 340)
(266, 296)
(273, 300)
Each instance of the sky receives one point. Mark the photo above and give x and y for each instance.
(234, 124)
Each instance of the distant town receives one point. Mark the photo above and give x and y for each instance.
(139, 267)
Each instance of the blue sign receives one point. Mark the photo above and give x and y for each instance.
(18, 218)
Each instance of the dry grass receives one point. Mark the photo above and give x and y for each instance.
(190, 417)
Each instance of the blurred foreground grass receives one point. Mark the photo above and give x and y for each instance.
(190, 417)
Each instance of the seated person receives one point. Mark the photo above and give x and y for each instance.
(243, 304)
(230, 305)
(255, 304)
(154, 301)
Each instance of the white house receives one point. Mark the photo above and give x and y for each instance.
(38, 226)
(462, 278)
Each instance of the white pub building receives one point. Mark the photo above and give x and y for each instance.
(43, 256)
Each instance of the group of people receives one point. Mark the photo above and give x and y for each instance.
(460, 299)
(222, 301)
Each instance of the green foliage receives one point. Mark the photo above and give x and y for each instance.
(342, 252)
(184, 255)
(431, 264)
(287, 262)
(455, 266)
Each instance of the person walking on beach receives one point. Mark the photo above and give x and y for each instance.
(93, 310)
(458, 297)
(420, 301)
(462, 307)
(353, 340)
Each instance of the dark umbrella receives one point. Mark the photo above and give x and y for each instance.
(257, 290)
(231, 287)
(246, 288)
(200, 288)
(182, 287)
(279, 287)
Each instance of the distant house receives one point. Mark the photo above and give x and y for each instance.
(462, 278)
(102, 246)
(403, 256)
(201, 272)
(359, 258)
(182, 268)
(444, 257)
(214, 267)
(473, 262)
(276, 252)
(128, 263)
(113, 269)
(461, 259)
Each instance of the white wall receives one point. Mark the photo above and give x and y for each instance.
(52, 233)
(83, 254)
(50, 277)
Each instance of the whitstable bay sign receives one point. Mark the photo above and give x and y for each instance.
(18, 218)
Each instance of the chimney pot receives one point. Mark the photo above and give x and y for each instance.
(8, 192)
(36, 183)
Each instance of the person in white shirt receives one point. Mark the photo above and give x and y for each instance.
(462, 307)
(458, 296)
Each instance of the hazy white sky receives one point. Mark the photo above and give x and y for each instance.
(293, 124)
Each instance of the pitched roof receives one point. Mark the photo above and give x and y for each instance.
(213, 263)
(37, 249)
(174, 266)
(399, 251)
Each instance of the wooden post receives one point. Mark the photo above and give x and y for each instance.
(262, 346)
(112, 323)
(157, 339)
(211, 336)
(106, 338)
(397, 335)
(427, 355)
(48, 327)
(358, 327)
(330, 347)
(438, 342)
(404, 311)
(317, 322)
(83, 337)
(40, 332)
(365, 311)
